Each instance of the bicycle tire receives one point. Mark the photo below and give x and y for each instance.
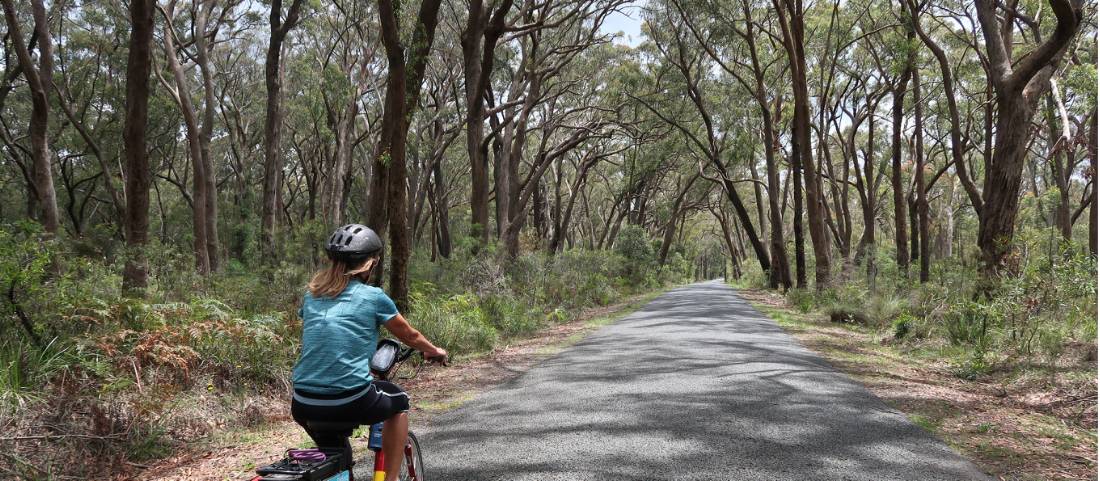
(417, 461)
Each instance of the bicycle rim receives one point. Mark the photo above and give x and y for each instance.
(414, 458)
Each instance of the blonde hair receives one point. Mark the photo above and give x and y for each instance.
(332, 281)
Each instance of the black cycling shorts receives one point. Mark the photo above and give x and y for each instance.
(377, 402)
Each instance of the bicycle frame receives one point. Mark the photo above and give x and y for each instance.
(383, 371)
(374, 443)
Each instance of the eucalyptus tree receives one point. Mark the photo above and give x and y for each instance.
(281, 23)
(1019, 85)
(86, 89)
(1016, 87)
(348, 55)
(683, 69)
(791, 21)
(438, 127)
(549, 86)
(138, 177)
(181, 94)
(728, 34)
(241, 113)
(485, 25)
(406, 64)
(39, 78)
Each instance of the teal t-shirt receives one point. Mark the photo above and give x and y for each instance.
(339, 336)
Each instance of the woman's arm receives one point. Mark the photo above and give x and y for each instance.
(404, 332)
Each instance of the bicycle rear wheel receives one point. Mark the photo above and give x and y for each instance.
(413, 467)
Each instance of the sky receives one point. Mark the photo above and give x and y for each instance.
(628, 21)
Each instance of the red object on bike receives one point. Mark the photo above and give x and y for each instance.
(379, 464)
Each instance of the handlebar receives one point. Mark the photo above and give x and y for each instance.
(386, 366)
(407, 351)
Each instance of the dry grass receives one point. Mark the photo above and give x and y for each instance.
(1018, 423)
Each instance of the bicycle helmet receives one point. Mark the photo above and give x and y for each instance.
(353, 243)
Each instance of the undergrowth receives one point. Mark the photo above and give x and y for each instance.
(1041, 317)
(88, 374)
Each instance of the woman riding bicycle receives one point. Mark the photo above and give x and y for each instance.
(341, 315)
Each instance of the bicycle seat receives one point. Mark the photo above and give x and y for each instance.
(329, 426)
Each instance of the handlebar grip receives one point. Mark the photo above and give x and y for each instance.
(442, 360)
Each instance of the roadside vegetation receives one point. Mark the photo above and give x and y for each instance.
(1007, 378)
(95, 375)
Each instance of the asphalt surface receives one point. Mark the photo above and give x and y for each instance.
(697, 385)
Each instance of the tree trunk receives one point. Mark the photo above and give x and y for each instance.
(1092, 195)
(342, 125)
(868, 193)
(914, 229)
(39, 82)
(440, 208)
(1018, 89)
(479, 41)
(202, 58)
(780, 272)
(799, 236)
(1002, 194)
(273, 81)
(538, 211)
(761, 219)
(794, 42)
(1058, 161)
(402, 98)
(901, 237)
(919, 187)
(138, 67)
(182, 96)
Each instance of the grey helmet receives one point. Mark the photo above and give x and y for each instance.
(353, 243)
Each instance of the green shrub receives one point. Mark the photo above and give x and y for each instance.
(968, 323)
(508, 314)
(903, 325)
(456, 323)
(636, 249)
(973, 366)
(802, 299)
(882, 309)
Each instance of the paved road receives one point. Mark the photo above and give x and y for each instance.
(697, 385)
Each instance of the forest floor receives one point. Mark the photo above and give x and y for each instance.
(235, 454)
(1017, 423)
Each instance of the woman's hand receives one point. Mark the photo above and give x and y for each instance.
(437, 354)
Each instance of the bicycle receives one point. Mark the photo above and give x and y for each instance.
(336, 463)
